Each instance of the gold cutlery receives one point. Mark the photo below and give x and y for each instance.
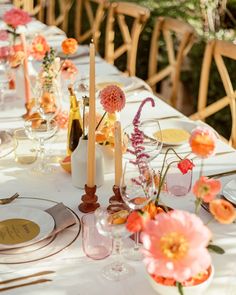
(218, 175)
(25, 284)
(9, 200)
(41, 273)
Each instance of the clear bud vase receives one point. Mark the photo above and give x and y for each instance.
(79, 165)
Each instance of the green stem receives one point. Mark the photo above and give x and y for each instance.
(99, 123)
(198, 203)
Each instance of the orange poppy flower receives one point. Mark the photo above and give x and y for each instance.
(202, 142)
(69, 46)
(39, 47)
(136, 221)
(152, 210)
(223, 211)
(206, 188)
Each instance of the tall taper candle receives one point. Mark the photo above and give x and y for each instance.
(26, 71)
(91, 126)
(118, 153)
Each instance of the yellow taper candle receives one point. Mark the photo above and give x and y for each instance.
(118, 153)
(26, 70)
(91, 126)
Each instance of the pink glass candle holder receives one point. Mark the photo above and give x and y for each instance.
(177, 183)
(95, 245)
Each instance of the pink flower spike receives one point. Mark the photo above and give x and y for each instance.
(175, 245)
(16, 17)
(206, 188)
(112, 98)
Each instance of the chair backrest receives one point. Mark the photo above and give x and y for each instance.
(172, 30)
(34, 8)
(58, 13)
(86, 11)
(118, 11)
(217, 49)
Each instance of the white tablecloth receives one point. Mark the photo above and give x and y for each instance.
(75, 273)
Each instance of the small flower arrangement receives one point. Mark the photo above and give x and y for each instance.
(176, 243)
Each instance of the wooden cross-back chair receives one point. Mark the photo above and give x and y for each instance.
(85, 8)
(118, 11)
(34, 9)
(217, 49)
(59, 18)
(172, 30)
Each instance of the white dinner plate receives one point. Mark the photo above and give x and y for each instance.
(229, 191)
(41, 218)
(179, 125)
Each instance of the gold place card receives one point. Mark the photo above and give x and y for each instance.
(16, 231)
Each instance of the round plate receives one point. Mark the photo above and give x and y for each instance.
(174, 128)
(6, 143)
(42, 219)
(123, 82)
(45, 248)
(229, 191)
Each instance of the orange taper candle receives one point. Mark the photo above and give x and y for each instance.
(118, 153)
(26, 71)
(92, 121)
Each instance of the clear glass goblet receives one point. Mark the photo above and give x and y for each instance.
(41, 130)
(113, 225)
(149, 139)
(137, 190)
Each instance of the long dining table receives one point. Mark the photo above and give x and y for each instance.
(74, 272)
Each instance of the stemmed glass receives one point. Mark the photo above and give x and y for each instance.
(41, 130)
(152, 138)
(4, 68)
(137, 190)
(113, 225)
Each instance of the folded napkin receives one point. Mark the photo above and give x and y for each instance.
(63, 217)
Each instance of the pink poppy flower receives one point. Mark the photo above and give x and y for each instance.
(175, 245)
(39, 47)
(185, 165)
(112, 98)
(16, 17)
(202, 142)
(206, 188)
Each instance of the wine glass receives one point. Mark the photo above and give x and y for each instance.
(41, 130)
(150, 139)
(137, 190)
(4, 69)
(48, 99)
(113, 225)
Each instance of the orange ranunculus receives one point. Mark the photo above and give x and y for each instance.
(39, 47)
(152, 210)
(206, 188)
(202, 142)
(223, 211)
(69, 46)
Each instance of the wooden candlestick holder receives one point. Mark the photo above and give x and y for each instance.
(116, 201)
(89, 200)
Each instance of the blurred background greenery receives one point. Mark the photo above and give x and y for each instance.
(211, 19)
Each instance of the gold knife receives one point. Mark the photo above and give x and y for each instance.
(25, 284)
(42, 273)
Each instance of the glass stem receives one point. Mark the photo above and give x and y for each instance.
(42, 153)
(117, 255)
(136, 241)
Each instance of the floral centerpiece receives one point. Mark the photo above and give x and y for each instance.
(176, 243)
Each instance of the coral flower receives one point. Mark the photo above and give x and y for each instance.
(152, 210)
(16, 17)
(136, 221)
(206, 188)
(68, 69)
(223, 211)
(112, 98)
(39, 47)
(185, 165)
(69, 46)
(175, 245)
(16, 59)
(202, 142)
(3, 35)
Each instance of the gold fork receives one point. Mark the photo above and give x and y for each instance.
(37, 274)
(9, 200)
